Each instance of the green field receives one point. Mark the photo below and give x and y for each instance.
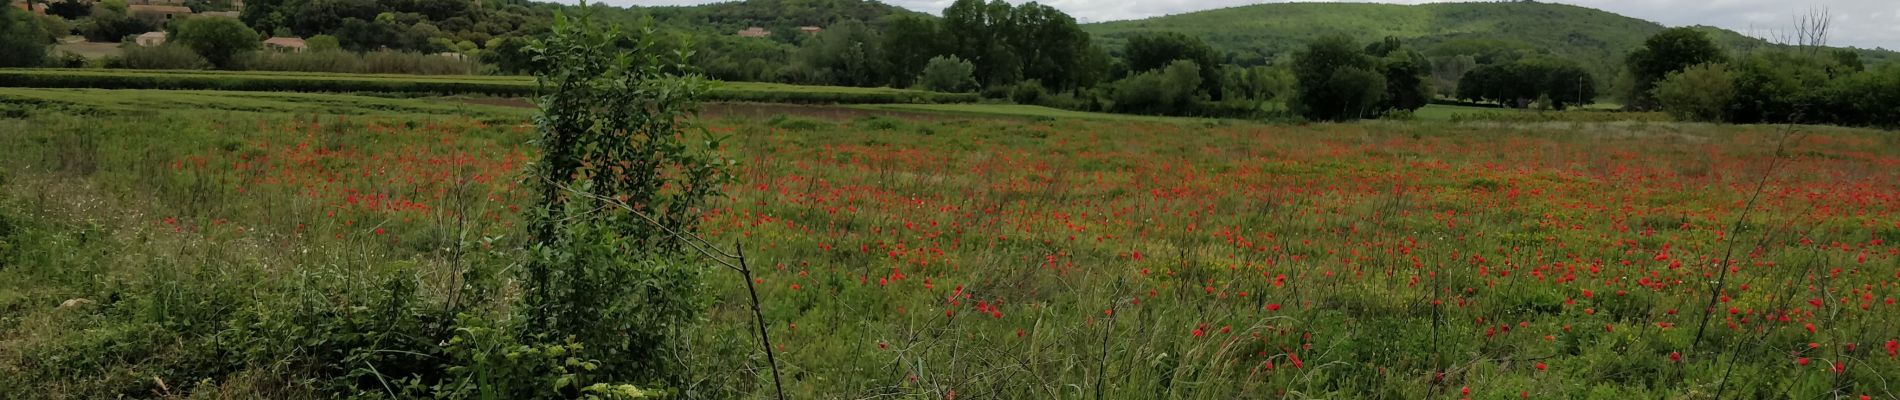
(206, 244)
(1026, 111)
(435, 85)
(1442, 112)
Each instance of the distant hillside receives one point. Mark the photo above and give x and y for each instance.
(781, 17)
(1265, 32)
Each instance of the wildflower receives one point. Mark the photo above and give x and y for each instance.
(1802, 361)
(1675, 356)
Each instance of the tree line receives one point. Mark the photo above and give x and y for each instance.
(1683, 72)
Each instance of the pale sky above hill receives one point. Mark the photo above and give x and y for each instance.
(1860, 23)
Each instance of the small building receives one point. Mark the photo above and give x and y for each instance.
(755, 32)
(810, 30)
(158, 14)
(151, 39)
(39, 8)
(289, 44)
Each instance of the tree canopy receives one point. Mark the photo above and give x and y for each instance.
(1666, 52)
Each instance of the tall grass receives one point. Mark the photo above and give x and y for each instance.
(158, 57)
(375, 62)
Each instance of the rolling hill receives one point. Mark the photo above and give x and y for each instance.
(781, 17)
(1264, 32)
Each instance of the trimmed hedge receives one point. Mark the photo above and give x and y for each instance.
(478, 85)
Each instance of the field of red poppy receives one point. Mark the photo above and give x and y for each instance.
(1000, 258)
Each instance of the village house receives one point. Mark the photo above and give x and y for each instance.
(810, 30)
(755, 32)
(151, 39)
(290, 44)
(36, 8)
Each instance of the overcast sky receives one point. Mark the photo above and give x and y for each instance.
(1861, 23)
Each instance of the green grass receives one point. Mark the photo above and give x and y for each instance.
(1027, 111)
(433, 84)
(253, 245)
(152, 102)
(1443, 112)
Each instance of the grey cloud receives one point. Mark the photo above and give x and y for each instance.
(1860, 23)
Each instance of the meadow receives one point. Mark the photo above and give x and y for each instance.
(390, 84)
(291, 245)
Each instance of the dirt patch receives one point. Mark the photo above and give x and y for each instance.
(759, 110)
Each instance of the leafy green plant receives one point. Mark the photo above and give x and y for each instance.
(1697, 93)
(614, 130)
(219, 39)
(948, 74)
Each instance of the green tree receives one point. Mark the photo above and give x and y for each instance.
(54, 26)
(1669, 51)
(509, 55)
(847, 54)
(948, 74)
(218, 39)
(1698, 93)
(1170, 91)
(1010, 43)
(1782, 86)
(1554, 83)
(1258, 83)
(21, 38)
(910, 44)
(617, 133)
(1337, 81)
(1448, 70)
(1406, 75)
(1568, 84)
(1868, 98)
(323, 43)
(109, 22)
(70, 9)
(1152, 51)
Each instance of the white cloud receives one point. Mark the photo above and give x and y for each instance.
(1861, 23)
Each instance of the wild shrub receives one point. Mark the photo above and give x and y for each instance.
(157, 57)
(614, 131)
